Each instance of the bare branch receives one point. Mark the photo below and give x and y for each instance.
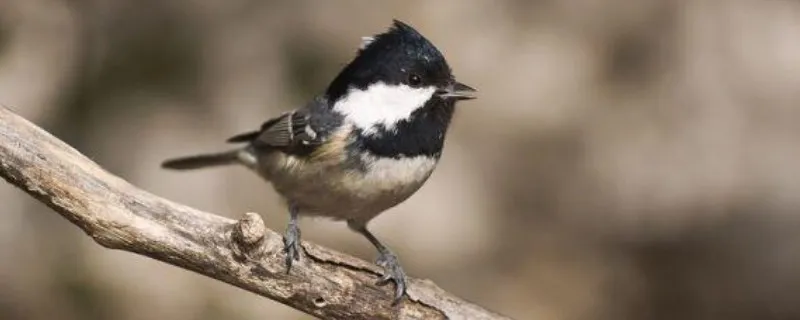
(243, 253)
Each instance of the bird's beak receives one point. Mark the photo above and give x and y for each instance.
(458, 91)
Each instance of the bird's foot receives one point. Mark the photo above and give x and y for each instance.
(291, 245)
(392, 272)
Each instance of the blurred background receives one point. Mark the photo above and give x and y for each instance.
(625, 159)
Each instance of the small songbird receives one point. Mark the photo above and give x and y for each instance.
(366, 144)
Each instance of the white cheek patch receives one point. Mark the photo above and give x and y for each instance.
(382, 104)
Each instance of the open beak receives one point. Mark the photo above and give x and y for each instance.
(458, 91)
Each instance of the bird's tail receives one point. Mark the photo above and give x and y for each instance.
(203, 160)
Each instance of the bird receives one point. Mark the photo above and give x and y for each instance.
(365, 144)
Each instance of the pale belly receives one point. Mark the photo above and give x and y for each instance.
(328, 188)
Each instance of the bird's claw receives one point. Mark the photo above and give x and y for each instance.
(393, 272)
(291, 246)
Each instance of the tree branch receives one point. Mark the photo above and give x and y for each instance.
(243, 253)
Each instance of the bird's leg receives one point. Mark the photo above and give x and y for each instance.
(291, 239)
(387, 259)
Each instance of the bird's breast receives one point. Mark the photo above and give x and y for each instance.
(390, 174)
(348, 189)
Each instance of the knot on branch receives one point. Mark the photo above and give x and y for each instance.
(248, 236)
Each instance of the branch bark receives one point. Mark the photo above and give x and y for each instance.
(244, 253)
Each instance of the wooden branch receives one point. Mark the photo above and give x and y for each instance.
(243, 253)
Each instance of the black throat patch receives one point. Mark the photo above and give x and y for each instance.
(422, 134)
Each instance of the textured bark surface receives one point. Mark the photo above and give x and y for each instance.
(243, 253)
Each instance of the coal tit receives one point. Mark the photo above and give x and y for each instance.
(366, 144)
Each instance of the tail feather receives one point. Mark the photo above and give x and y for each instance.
(202, 161)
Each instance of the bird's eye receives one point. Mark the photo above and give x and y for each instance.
(414, 80)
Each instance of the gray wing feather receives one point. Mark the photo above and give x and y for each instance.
(289, 129)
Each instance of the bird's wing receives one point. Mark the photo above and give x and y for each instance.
(289, 129)
(304, 127)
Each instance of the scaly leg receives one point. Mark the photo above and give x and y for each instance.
(291, 239)
(391, 265)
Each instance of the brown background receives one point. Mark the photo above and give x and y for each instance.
(625, 160)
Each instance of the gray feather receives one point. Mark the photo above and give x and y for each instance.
(202, 161)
